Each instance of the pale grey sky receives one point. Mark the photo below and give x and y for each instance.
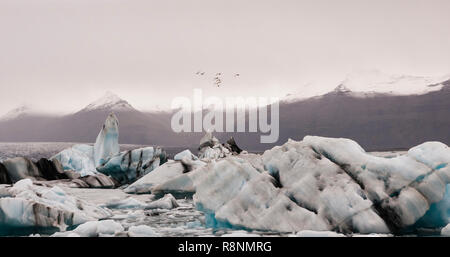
(61, 54)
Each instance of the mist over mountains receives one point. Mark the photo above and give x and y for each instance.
(392, 113)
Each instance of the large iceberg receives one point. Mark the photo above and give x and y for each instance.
(401, 188)
(104, 156)
(26, 208)
(320, 184)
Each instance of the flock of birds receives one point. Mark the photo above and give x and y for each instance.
(217, 77)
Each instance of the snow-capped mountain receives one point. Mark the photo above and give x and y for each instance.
(109, 102)
(18, 112)
(379, 119)
(374, 81)
(369, 83)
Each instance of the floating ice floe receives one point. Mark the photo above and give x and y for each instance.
(102, 228)
(27, 207)
(240, 233)
(127, 203)
(311, 233)
(4, 176)
(166, 202)
(142, 231)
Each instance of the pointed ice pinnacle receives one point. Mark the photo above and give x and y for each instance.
(342, 89)
(107, 143)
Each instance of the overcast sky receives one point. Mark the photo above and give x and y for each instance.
(59, 55)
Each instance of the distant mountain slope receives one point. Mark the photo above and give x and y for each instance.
(379, 121)
(387, 117)
(135, 127)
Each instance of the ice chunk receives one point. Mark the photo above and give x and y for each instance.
(107, 143)
(246, 199)
(142, 231)
(105, 157)
(4, 176)
(240, 233)
(127, 203)
(402, 188)
(160, 175)
(185, 154)
(129, 166)
(34, 207)
(210, 148)
(439, 213)
(94, 229)
(20, 168)
(259, 205)
(311, 233)
(167, 202)
(320, 184)
(435, 155)
(446, 230)
(79, 158)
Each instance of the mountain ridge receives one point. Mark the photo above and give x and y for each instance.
(381, 121)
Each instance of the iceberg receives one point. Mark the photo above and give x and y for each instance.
(211, 148)
(129, 166)
(401, 188)
(4, 176)
(19, 168)
(311, 233)
(160, 175)
(100, 228)
(107, 142)
(318, 184)
(127, 203)
(142, 231)
(27, 208)
(185, 154)
(78, 158)
(104, 157)
(166, 202)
